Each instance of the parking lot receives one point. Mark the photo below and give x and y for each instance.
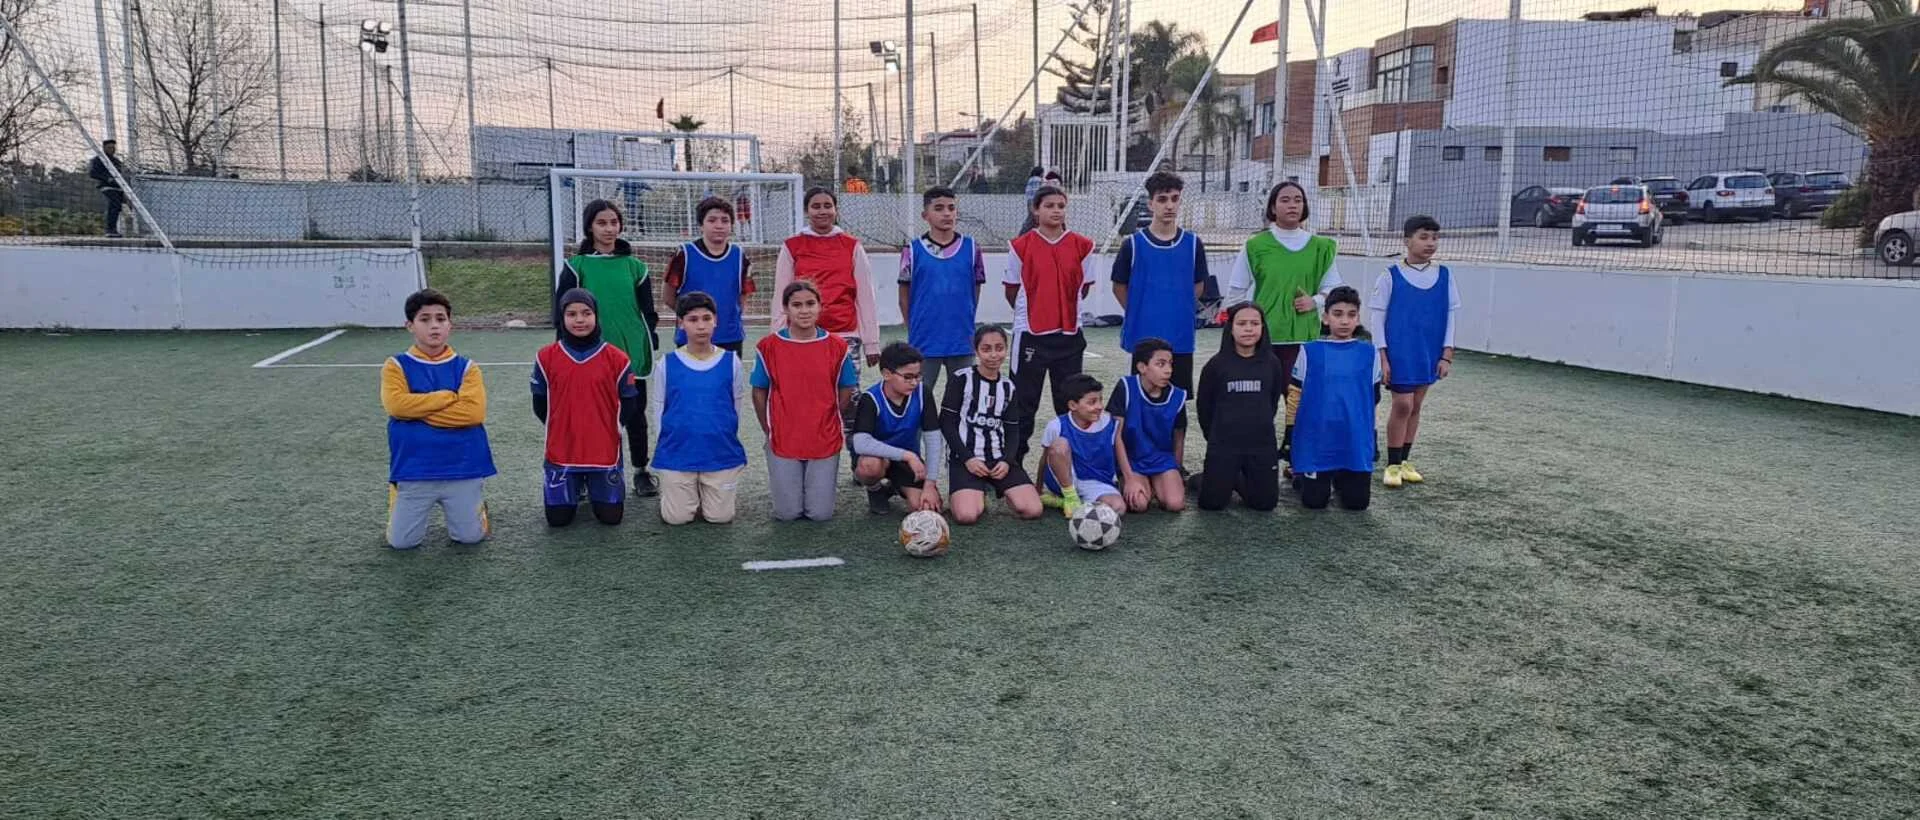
(1790, 248)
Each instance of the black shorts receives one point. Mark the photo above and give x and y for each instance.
(898, 473)
(959, 479)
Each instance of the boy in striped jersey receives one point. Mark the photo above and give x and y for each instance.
(978, 416)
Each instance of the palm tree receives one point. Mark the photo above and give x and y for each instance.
(686, 123)
(1157, 47)
(1862, 70)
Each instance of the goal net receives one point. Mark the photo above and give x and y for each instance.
(658, 210)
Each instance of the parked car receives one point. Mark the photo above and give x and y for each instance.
(1730, 195)
(1894, 240)
(1544, 207)
(1797, 192)
(1668, 192)
(1618, 212)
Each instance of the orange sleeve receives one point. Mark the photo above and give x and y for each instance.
(402, 403)
(469, 406)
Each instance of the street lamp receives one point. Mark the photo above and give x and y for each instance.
(373, 40)
(889, 53)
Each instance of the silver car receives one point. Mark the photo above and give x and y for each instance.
(1618, 212)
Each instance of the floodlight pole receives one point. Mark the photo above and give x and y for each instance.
(839, 127)
(406, 101)
(1280, 92)
(106, 73)
(326, 107)
(133, 115)
(279, 96)
(1508, 141)
(473, 139)
(973, 10)
(908, 137)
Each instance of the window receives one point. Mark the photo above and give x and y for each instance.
(1441, 75)
(1622, 154)
(1490, 153)
(1556, 153)
(1340, 87)
(1729, 69)
(1263, 124)
(1387, 165)
(1453, 153)
(1779, 109)
(1682, 42)
(1700, 183)
(1325, 171)
(1405, 75)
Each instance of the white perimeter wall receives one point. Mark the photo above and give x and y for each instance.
(204, 289)
(1840, 341)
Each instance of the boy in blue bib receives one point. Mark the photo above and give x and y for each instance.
(1155, 432)
(1084, 445)
(696, 407)
(1333, 434)
(437, 451)
(896, 434)
(1412, 313)
(940, 278)
(1159, 273)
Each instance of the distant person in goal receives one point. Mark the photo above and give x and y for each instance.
(109, 187)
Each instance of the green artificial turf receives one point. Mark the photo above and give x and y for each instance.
(1614, 597)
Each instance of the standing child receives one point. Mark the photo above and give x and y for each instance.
(1155, 412)
(940, 278)
(583, 393)
(1046, 279)
(896, 434)
(1158, 276)
(696, 406)
(834, 262)
(716, 267)
(802, 378)
(1085, 457)
(1414, 304)
(1241, 391)
(606, 267)
(1287, 272)
(978, 418)
(1333, 446)
(437, 452)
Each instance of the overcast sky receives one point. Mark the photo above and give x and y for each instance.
(611, 65)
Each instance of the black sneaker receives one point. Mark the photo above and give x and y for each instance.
(880, 499)
(643, 485)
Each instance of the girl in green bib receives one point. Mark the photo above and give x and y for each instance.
(606, 267)
(1286, 271)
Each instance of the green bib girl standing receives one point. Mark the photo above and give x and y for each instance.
(1286, 271)
(606, 267)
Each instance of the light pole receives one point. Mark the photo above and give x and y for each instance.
(373, 40)
(889, 53)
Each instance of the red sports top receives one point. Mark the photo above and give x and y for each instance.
(827, 262)
(803, 405)
(1050, 280)
(583, 405)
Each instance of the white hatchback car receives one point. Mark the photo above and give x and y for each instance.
(1893, 240)
(1618, 212)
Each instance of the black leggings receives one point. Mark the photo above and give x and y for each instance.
(1043, 359)
(1254, 475)
(637, 431)
(604, 513)
(1354, 488)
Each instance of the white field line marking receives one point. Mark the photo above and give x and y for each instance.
(384, 364)
(328, 337)
(1092, 355)
(796, 563)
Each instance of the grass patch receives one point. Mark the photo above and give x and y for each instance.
(490, 291)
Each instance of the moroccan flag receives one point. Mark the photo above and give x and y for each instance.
(1267, 33)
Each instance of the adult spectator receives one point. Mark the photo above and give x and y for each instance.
(109, 187)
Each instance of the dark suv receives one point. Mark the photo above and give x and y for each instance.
(1668, 192)
(1797, 192)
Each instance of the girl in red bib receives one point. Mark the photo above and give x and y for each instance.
(802, 380)
(834, 261)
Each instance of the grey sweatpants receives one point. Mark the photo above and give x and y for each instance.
(411, 503)
(935, 365)
(802, 488)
